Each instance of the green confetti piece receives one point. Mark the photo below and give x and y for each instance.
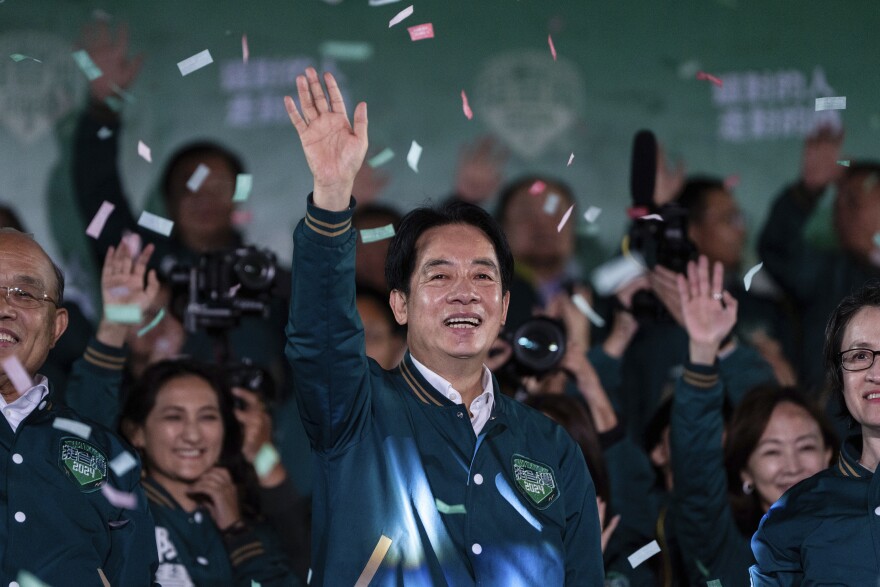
(26, 579)
(122, 93)
(381, 159)
(445, 508)
(877, 240)
(255, 584)
(86, 64)
(113, 103)
(18, 57)
(844, 162)
(243, 184)
(267, 458)
(152, 323)
(371, 235)
(713, 583)
(347, 50)
(123, 313)
(702, 568)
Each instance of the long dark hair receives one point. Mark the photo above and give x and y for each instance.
(142, 399)
(750, 419)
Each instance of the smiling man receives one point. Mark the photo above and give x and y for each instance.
(426, 474)
(56, 522)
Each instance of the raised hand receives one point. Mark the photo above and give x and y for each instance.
(111, 57)
(819, 163)
(333, 148)
(122, 283)
(216, 491)
(708, 311)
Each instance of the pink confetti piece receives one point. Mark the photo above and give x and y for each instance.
(144, 151)
(234, 290)
(421, 31)
(119, 499)
(570, 159)
(245, 52)
(731, 181)
(16, 374)
(97, 224)
(405, 13)
(465, 106)
(537, 188)
(552, 48)
(133, 243)
(564, 218)
(702, 75)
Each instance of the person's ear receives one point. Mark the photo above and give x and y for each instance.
(61, 320)
(505, 303)
(134, 433)
(659, 455)
(746, 477)
(398, 305)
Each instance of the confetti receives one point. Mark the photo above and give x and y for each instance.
(552, 48)
(245, 52)
(835, 103)
(844, 162)
(119, 291)
(86, 64)
(643, 554)
(16, 374)
(97, 224)
(551, 203)
(234, 290)
(79, 428)
(104, 133)
(156, 223)
(381, 159)
(17, 57)
(731, 181)
(25, 579)
(123, 463)
(412, 158)
(656, 217)
(255, 584)
(371, 235)
(197, 61)
(266, 459)
(123, 313)
(421, 31)
(570, 159)
(132, 241)
(537, 188)
(702, 75)
(127, 96)
(564, 218)
(405, 13)
(375, 561)
(144, 151)
(445, 508)
(347, 50)
(592, 213)
(382, 2)
(153, 323)
(587, 310)
(713, 583)
(198, 177)
(747, 280)
(469, 114)
(119, 499)
(243, 184)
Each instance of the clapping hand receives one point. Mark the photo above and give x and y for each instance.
(708, 311)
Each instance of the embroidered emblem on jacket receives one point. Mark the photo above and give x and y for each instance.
(535, 481)
(83, 463)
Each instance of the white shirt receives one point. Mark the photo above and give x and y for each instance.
(481, 407)
(26, 403)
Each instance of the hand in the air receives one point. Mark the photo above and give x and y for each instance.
(111, 56)
(819, 162)
(708, 311)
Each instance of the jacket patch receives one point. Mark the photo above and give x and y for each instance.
(83, 463)
(535, 481)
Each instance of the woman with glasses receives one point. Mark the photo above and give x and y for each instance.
(826, 531)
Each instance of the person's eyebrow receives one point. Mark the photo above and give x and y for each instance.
(29, 280)
(860, 344)
(486, 262)
(431, 263)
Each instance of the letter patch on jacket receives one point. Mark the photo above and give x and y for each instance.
(535, 481)
(83, 463)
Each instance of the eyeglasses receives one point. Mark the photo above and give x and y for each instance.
(858, 359)
(25, 297)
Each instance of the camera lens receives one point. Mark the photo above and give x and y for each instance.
(538, 345)
(255, 270)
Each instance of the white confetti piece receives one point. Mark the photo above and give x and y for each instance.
(119, 499)
(652, 217)
(197, 61)
(79, 428)
(382, 2)
(381, 159)
(643, 554)
(245, 51)
(347, 50)
(123, 313)
(551, 203)
(198, 177)
(123, 463)
(747, 280)
(406, 12)
(144, 151)
(86, 64)
(100, 219)
(570, 159)
(592, 213)
(104, 133)
(412, 158)
(833, 103)
(16, 374)
(564, 218)
(156, 223)
(371, 235)
(18, 57)
(243, 184)
(587, 310)
(266, 459)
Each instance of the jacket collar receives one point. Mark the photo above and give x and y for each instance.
(848, 460)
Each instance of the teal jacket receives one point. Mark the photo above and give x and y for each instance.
(406, 493)
(57, 523)
(825, 530)
(708, 536)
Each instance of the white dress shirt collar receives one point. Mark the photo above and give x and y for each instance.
(16, 411)
(481, 407)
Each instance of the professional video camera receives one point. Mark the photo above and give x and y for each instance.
(538, 346)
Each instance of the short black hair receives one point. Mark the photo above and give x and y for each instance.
(400, 261)
(201, 148)
(694, 194)
(505, 196)
(868, 295)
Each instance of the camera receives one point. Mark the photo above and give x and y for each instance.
(538, 346)
(220, 287)
(251, 377)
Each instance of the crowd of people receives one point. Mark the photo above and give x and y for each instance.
(388, 425)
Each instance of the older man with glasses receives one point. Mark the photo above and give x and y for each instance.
(62, 516)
